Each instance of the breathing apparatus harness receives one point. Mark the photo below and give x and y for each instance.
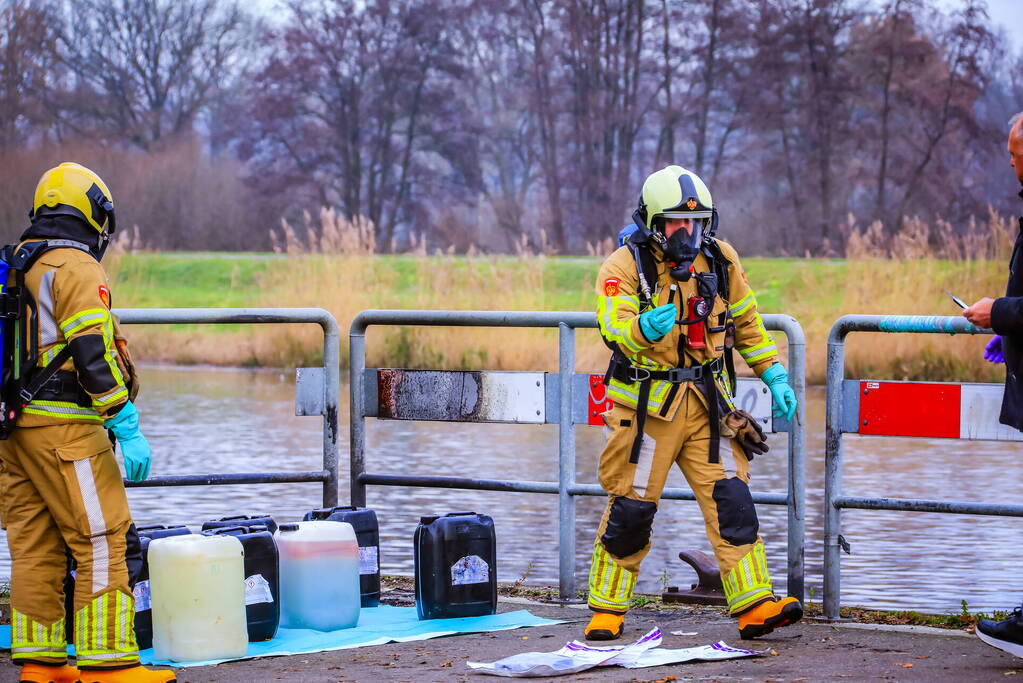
(21, 381)
(709, 285)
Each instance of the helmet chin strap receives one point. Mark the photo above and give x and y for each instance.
(104, 242)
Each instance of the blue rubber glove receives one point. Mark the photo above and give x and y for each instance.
(777, 380)
(993, 351)
(657, 322)
(134, 447)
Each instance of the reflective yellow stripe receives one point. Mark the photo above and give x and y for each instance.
(33, 640)
(611, 585)
(110, 353)
(619, 392)
(613, 327)
(762, 349)
(744, 304)
(112, 397)
(83, 319)
(759, 352)
(50, 354)
(748, 582)
(104, 634)
(62, 409)
(724, 389)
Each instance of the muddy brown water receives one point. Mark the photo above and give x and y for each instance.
(202, 420)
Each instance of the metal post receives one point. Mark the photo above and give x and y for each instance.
(566, 487)
(357, 400)
(331, 408)
(566, 465)
(833, 472)
(329, 475)
(833, 499)
(797, 463)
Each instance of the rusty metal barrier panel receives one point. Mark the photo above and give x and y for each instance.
(878, 408)
(564, 398)
(316, 389)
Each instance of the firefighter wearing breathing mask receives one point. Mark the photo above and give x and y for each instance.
(673, 304)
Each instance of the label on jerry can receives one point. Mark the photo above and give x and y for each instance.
(368, 562)
(143, 600)
(470, 569)
(257, 590)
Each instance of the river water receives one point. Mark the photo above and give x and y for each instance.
(202, 420)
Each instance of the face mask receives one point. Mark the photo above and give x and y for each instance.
(681, 249)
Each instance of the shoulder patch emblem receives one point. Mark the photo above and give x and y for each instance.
(611, 286)
(104, 295)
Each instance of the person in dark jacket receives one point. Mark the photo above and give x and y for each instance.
(1005, 316)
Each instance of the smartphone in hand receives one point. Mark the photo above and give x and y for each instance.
(958, 302)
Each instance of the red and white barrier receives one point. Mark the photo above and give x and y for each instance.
(931, 410)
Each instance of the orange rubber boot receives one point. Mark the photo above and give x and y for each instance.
(38, 673)
(132, 674)
(767, 616)
(604, 626)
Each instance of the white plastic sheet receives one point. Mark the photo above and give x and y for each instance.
(575, 657)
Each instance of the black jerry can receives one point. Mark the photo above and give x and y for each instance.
(262, 578)
(367, 533)
(455, 566)
(241, 520)
(143, 606)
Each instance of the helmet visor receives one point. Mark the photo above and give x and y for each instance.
(684, 231)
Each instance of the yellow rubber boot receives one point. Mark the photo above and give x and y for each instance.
(767, 616)
(604, 626)
(132, 674)
(38, 673)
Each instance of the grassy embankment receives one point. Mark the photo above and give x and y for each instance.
(815, 291)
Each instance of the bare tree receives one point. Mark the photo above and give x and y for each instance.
(349, 108)
(26, 59)
(140, 70)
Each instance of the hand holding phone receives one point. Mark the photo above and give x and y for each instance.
(958, 302)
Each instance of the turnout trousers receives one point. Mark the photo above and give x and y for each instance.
(634, 489)
(60, 485)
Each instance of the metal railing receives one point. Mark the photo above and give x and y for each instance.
(840, 420)
(566, 487)
(317, 389)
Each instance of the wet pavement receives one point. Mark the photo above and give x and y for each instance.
(808, 651)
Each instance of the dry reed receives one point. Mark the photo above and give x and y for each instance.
(330, 262)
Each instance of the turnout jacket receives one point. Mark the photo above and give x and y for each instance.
(72, 298)
(1007, 320)
(618, 304)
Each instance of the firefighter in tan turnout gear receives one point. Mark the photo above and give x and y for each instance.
(672, 304)
(71, 379)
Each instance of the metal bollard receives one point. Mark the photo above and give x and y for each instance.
(707, 590)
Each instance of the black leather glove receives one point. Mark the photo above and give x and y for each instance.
(742, 427)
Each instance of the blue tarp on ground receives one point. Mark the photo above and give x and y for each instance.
(377, 625)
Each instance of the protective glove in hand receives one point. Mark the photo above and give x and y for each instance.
(657, 322)
(777, 380)
(993, 351)
(743, 427)
(134, 447)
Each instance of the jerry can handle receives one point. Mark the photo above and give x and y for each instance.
(228, 530)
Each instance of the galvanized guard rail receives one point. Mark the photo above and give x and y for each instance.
(317, 389)
(844, 416)
(561, 410)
